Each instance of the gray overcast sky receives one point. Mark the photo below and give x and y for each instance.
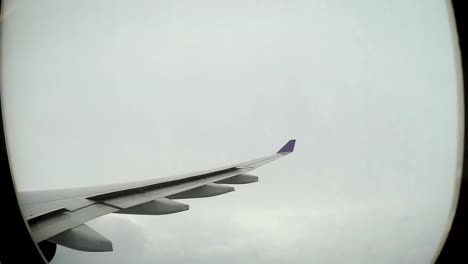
(99, 92)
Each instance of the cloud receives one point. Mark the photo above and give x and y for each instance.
(130, 241)
(385, 234)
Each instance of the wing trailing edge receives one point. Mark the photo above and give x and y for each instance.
(207, 190)
(239, 179)
(159, 206)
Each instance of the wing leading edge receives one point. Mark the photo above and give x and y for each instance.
(59, 216)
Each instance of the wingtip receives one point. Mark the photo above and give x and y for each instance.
(289, 147)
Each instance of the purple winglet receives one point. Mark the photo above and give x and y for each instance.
(288, 148)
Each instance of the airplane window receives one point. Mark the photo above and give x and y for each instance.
(105, 101)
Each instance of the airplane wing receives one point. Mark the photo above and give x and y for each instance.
(59, 216)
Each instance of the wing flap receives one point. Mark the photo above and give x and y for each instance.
(126, 201)
(182, 184)
(38, 209)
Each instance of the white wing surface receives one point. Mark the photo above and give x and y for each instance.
(59, 216)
